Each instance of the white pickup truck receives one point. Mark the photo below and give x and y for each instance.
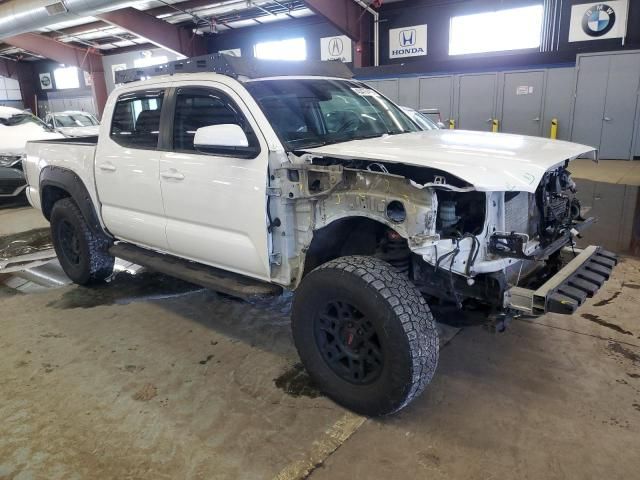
(253, 185)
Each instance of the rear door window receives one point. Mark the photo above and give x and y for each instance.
(136, 119)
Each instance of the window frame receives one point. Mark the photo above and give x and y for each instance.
(167, 135)
(160, 91)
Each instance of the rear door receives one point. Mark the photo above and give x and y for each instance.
(127, 169)
(215, 202)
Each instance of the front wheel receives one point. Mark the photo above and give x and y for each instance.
(83, 254)
(365, 334)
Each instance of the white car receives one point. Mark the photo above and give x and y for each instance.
(73, 123)
(423, 121)
(16, 128)
(251, 183)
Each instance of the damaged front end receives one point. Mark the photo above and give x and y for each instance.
(454, 242)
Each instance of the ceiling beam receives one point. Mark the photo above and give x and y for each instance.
(85, 59)
(176, 8)
(345, 15)
(82, 58)
(180, 40)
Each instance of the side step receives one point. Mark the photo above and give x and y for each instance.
(209, 277)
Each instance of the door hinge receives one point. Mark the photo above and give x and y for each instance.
(274, 192)
(275, 259)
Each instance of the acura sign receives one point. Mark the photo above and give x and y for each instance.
(408, 41)
(336, 48)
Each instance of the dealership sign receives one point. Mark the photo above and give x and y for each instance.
(336, 48)
(45, 81)
(408, 41)
(598, 20)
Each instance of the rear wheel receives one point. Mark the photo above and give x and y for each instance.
(83, 254)
(365, 334)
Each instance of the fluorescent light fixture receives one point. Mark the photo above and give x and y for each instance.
(291, 49)
(497, 31)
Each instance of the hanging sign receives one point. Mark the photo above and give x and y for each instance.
(45, 81)
(598, 21)
(336, 48)
(408, 41)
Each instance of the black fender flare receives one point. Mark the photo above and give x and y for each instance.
(68, 181)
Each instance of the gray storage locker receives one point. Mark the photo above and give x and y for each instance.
(620, 106)
(476, 101)
(437, 92)
(408, 92)
(606, 102)
(389, 88)
(522, 99)
(557, 101)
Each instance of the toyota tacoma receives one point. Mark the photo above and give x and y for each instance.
(252, 182)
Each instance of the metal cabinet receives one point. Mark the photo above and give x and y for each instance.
(476, 101)
(522, 101)
(606, 98)
(436, 93)
(557, 101)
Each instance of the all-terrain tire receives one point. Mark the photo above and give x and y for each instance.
(401, 361)
(83, 254)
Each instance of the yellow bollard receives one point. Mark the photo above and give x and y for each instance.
(554, 128)
(452, 124)
(495, 125)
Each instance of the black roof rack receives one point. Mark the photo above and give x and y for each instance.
(237, 67)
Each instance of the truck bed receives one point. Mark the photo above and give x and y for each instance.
(74, 154)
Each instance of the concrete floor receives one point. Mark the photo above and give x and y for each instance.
(153, 378)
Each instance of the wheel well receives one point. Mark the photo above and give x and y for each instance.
(344, 237)
(50, 195)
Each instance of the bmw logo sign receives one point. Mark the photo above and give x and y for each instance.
(598, 20)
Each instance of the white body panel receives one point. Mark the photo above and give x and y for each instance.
(488, 161)
(216, 206)
(128, 183)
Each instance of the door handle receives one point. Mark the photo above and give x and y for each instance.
(537, 119)
(172, 175)
(489, 120)
(607, 119)
(107, 167)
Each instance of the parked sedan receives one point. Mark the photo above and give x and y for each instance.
(16, 128)
(73, 123)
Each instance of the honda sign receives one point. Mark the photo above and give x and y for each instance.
(408, 41)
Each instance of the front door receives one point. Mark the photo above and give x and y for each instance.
(127, 170)
(215, 202)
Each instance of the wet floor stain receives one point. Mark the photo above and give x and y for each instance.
(596, 319)
(607, 301)
(206, 360)
(124, 289)
(633, 375)
(25, 243)
(636, 406)
(297, 383)
(625, 352)
(146, 393)
(633, 286)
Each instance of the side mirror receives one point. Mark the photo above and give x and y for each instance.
(227, 139)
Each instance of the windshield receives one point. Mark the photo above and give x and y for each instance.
(308, 113)
(22, 119)
(74, 120)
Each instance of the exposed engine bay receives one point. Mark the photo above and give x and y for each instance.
(453, 241)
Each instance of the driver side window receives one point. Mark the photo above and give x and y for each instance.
(202, 107)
